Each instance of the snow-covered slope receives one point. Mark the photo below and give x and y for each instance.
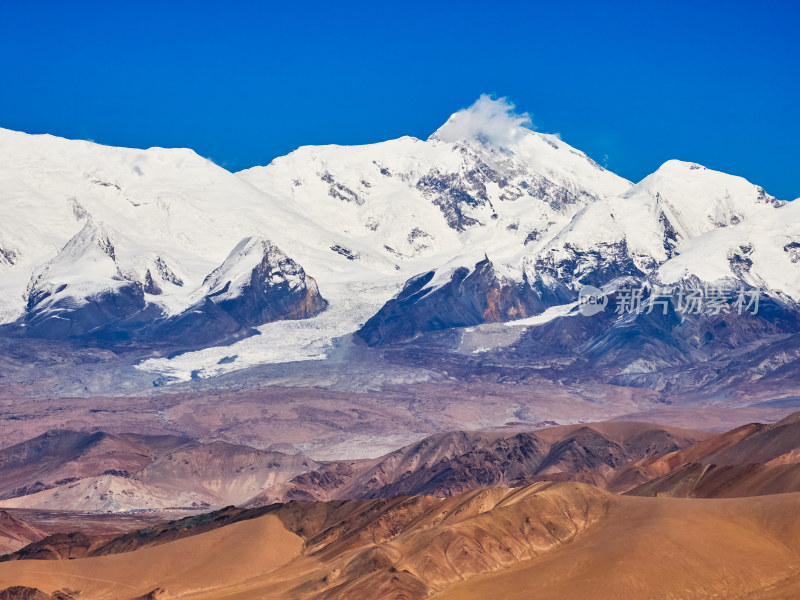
(763, 252)
(150, 238)
(175, 213)
(78, 220)
(650, 224)
(465, 189)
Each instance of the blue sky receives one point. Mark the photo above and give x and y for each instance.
(631, 83)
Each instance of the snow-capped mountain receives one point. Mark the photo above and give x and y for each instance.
(484, 221)
(84, 286)
(411, 197)
(256, 284)
(369, 216)
(650, 224)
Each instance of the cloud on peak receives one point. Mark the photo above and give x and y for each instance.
(491, 120)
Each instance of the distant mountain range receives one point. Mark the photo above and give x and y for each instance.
(406, 244)
(110, 473)
(103, 472)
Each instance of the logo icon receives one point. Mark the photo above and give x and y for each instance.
(591, 300)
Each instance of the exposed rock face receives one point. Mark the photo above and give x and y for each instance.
(561, 273)
(156, 594)
(258, 283)
(468, 297)
(666, 349)
(662, 347)
(88, 290)
(19, 592)
(62, 319)
(451, 463)
(85, 290)
(59, 546)
(462, 194)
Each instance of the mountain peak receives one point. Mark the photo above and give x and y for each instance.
(690, 175)
(698, 199)
(491, 121)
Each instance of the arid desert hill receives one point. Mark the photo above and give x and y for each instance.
(101, 471)
(752, 460)
(564, 540)
(620, 456)
(414, 529)
(451, 463)
(16, 533)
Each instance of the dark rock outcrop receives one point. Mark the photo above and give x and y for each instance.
(59, 546)
(107, 302)
(21, 592)
(469, 297)
(448, 464)
(257, 284)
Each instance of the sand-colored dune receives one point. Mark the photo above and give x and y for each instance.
(549, 541)
(190, 567)
(664, 548)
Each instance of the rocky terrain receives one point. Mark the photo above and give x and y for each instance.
(418, 525)
(21, 592)
(102, 472)
(469, 297)
(451, 463)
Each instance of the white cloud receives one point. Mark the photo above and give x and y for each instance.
(489, 119)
